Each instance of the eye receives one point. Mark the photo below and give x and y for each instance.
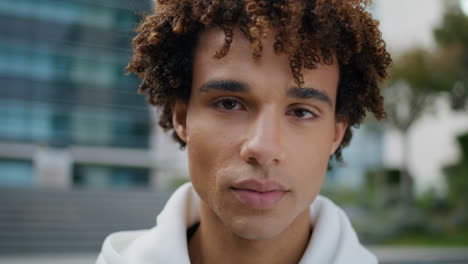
(228, 104)
(302, 113)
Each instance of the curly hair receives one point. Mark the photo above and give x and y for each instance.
(308, 31)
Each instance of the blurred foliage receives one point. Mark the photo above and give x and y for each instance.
(420, 76)
(434, 220)
(386, 211)
(453, 30)
(457, 181)
(457, 175)
(452, 36)
(459, 238)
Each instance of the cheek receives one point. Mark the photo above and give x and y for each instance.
(210, 148)
(309, 171)
(308, 178)
(311, 146)
(308, 158)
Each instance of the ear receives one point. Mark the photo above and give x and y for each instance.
(340, 129)
(179, 119)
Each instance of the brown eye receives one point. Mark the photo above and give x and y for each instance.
(302, 113)
(228, 104)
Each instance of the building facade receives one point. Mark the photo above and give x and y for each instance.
(69, 116)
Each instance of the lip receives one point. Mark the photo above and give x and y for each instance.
(260, 186)
(260, 195)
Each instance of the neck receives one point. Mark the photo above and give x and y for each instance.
(213, 242)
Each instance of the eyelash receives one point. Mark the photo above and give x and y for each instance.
(218, 103)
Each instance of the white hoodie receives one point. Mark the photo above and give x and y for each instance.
(332, 241)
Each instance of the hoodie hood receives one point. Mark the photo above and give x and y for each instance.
(333, 239)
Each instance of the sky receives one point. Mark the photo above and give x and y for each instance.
(406, 24)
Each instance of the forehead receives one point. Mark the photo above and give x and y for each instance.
(212, 39)
(272, 70)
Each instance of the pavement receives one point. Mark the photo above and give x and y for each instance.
(386, 255)
(420, 255)
(62, 258)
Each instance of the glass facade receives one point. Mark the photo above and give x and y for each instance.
(104, 176)
(16, 173)
(62, 75)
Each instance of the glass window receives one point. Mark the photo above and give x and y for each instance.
(24, 120)
(16, 173)
(61, 54)
(40, 123)
(125, 21)
(91, 126)
(93, 176)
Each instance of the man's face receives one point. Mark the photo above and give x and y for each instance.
(258, 145)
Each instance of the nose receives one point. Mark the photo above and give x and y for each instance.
(263, 143)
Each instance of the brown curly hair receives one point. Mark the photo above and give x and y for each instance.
(308, 31)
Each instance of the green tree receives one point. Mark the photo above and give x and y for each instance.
(452, 35)
(457, 182)
(420, 76)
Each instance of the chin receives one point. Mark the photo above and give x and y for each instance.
(257, 227)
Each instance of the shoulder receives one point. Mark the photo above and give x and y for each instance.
(116, 243)
(166, 242)
(334, 239)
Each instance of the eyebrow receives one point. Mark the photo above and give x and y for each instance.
(309, 93)
(237, 86)
(225, 86)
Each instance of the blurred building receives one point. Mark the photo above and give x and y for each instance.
(68, 114)
(364, 154)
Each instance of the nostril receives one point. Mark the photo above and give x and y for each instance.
(251, 159)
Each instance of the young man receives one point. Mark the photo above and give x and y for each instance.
(262, 94)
